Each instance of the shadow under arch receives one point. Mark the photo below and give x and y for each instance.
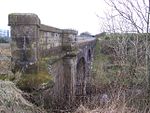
(89, 55)
(80, 80)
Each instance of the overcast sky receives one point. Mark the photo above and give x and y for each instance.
(76, 14)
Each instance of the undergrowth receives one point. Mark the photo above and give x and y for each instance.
(31, 82)
(124, 86)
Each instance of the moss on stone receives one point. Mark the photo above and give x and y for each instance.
(30, 82)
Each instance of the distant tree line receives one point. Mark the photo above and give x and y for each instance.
(86, 34)
(4, 39)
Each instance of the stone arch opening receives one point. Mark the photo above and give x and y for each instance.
(80, 79)
(89, 55)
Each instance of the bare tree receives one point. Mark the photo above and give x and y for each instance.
(130, 16)
(134, 12)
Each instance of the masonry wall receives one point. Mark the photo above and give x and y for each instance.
(24, 45)
(50, 40)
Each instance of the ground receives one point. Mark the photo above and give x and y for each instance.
(12, 101)
(5, 58)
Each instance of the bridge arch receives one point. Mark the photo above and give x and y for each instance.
(89, 55)
(80, 78)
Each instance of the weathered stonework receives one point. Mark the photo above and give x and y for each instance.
(34, 43)
(69, 40)
(24, 34)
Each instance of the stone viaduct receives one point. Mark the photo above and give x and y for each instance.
(68, 58)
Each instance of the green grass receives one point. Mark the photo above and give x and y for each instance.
(33, 81)
(4, 77)
(30, 82)
(98, 66)
(7, 77)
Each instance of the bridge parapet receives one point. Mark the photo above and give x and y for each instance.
(50, 41)
(32, 41)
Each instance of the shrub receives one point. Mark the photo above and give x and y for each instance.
(33, 81)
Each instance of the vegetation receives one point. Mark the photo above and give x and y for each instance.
(119, 88)
(130, 17)
(116, 75)
(123, 58)
(4, 40)
(30, 82)
(12, 101)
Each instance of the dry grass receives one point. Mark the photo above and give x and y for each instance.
(5, 58)
(5, 49)
(117, 102)
(12, 101)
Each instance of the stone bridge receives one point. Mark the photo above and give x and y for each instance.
(36, 47)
